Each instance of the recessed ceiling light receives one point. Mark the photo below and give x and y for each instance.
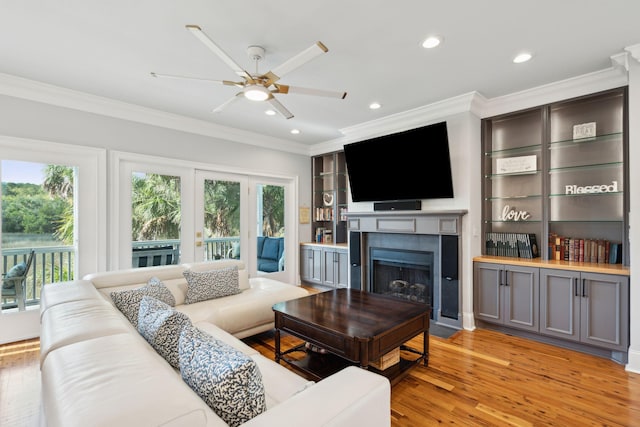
(295, 131)
(270, 113)
(374, 105)
(522, 57)
(431, 42)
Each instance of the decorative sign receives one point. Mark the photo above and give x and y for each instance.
(584, 130)
(509, 214)
(589, 189)
(304, 214)
(522, 164)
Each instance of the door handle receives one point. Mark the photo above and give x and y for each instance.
(584, 288)
(506, 277)
(575, 287)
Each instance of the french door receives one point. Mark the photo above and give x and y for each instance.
(172, 214)
(53, 221)
(237, 216)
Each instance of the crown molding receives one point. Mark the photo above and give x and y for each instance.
(19, 87)
(634, 51)
(609, 78)
(477, 104)
(398, 122)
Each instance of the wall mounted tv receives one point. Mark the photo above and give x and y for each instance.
(408, 165)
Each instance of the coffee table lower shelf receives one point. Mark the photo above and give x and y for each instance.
(316, 366)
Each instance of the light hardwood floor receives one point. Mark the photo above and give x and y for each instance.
(482, 378)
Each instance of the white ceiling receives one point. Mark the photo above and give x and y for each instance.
(108, 48)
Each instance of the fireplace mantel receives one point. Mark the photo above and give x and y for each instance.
(412, 222)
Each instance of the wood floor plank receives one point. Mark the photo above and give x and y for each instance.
(479, 378)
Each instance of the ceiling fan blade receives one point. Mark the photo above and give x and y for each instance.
(309, 91)
(300, 59)
(200, 35)
(222, 82)
(228, 102)
(279, 107)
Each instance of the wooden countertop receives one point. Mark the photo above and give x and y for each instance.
(330, 245)
(560, 265)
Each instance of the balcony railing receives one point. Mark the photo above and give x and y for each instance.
(56, 263)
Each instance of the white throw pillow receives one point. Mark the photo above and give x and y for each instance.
(128, 301)
(206, 285)
(161, 326)
(227, 380)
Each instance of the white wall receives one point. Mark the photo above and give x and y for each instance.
(45, 122)
(634, 212)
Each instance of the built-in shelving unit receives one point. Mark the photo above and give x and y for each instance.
(558, 172)
(559, 169)
(329, 198)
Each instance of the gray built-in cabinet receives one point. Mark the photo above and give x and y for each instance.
(507, 295)
(590, 308)
(325, 265)
(325, 259)
(559, 173)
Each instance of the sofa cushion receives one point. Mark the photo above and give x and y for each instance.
(228, 380)
(128, 301)
(17, 270)
(161, 326)
(117, 380)
(271, 249)
(212, 284)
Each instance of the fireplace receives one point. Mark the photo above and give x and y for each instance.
(402, 274)
(409, 255)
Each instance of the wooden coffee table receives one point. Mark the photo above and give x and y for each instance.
(353, 327)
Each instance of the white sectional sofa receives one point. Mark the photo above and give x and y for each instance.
(98, 370)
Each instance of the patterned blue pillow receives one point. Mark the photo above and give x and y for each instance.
(206, 285)
(227, 380)
(128, 301)
(161, 326)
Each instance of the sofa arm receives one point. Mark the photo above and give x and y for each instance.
(350, 397)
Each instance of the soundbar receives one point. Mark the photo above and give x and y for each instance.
(398, 205)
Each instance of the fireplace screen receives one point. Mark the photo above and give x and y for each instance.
(403, 274)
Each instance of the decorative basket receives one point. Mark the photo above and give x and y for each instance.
(388, 360)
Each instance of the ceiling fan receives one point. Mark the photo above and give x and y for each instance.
(260, 87)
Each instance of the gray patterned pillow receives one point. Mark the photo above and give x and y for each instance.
(227, 380)
(206, 285)
(128, 302)
(161, 326)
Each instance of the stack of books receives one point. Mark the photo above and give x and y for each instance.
(601, 251)
(517, 245)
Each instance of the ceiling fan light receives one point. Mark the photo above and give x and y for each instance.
(431, 42)
(522, 57)
(256, 93)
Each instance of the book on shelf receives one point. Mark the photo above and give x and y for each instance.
(515, 245)
(615, 253)
(597, 251)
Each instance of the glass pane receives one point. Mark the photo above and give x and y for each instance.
(221, 219)
(37, 230)
(271, 228)
(155, 219)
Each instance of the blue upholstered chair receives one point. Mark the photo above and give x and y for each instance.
(13, 282)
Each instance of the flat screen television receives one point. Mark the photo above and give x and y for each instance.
(408, 165)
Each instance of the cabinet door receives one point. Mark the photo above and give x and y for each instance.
(560, 303)
(487, 289)
(310, 259)
(604, 319)
(328, 267)
(520, 297)
(342, 268)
